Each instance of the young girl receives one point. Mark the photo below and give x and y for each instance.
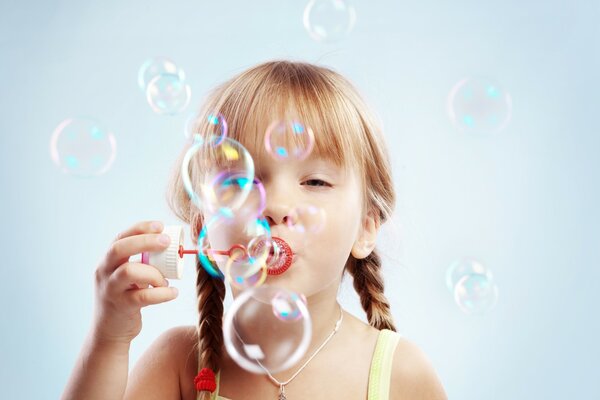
(348, 176)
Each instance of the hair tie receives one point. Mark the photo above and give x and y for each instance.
(205, 380)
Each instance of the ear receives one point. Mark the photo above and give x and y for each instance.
(365, 242)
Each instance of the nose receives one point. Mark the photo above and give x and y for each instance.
(277, 208)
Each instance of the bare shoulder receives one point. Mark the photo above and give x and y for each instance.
(159, 369)
(413, 376)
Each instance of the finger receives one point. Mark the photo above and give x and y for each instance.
(136, 276)
(146, 297)
(141, 227)
(122, 249)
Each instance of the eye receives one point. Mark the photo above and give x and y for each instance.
(316, 182)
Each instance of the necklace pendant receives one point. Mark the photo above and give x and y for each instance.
(281, 393)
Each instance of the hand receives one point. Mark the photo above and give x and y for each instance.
(123, 287)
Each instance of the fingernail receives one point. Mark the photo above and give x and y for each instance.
(156, 226)
(175, 291)
(164, 239)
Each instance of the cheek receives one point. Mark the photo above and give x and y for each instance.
(338, 235)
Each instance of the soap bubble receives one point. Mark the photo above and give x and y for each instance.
(472, 285)
(479, 105)
(243, 272)
(218, 178)
(83, 147)
(285, 306)
(289, 140)
(464, 266)
(329, 20)
(267, 329)
(228, 244)
(153, 67)
(168, 94)
(215, 127)
(306, 218)
(476, 294)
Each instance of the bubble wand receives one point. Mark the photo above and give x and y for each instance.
(170, 261)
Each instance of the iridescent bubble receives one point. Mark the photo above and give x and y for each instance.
(243, 273)
(153, 67)
(306, 218)
(329, 20)
(83, 147)
(476, 294)
(462, 267)
(472, 285)
(218, 178)
(191, 121)
(289, 140)
(260, 335)
(168, 94)
(285, 306)
(215, 127)
(228, 244)
(479, 105)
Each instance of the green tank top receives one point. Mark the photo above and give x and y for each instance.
(379, 373)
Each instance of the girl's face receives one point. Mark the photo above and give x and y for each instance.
(320, 257)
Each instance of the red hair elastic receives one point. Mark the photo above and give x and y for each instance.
(205, 380)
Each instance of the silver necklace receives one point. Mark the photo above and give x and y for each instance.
(282, 384)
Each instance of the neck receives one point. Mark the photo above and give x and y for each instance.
(324, 312)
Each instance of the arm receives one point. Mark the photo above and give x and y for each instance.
(413, 376)
(157, 373)
(100, 371)
(122, 288)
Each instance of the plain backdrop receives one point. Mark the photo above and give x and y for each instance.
(523, 201)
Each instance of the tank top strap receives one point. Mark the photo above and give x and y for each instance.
(381, 365)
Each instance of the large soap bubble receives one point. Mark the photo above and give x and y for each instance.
(218, 177)
(267, 329)
(236, 247)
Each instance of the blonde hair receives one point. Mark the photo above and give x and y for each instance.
(345, 132)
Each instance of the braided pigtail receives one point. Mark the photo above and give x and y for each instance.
(368, 283)
(211, 293)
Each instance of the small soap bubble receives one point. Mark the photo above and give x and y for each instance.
(329, 20)
(83, 147)
(212, 127)
(306, 218)
(476, 294)
(267, 329)
(479, 105)
(285, 306)
(168, 94)
(153, 67)
(289, 140)
(472, 285)
(464, 266)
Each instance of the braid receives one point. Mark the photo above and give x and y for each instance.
(368, 283)
(211, 292)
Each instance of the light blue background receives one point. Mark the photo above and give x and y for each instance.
(524, 202)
